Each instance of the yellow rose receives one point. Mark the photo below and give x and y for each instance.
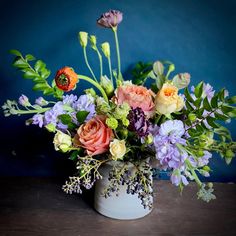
(117, 149)
(167, 100)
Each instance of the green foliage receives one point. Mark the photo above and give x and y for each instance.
(38, 73)
(140, 72)
(81, 116)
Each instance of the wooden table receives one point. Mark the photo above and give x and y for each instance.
(38, 206)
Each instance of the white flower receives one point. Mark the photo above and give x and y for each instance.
(117, 149)
(62, 142)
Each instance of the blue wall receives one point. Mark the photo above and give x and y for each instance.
(198, 36)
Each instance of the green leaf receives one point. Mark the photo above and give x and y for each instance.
(188, 96)
(39, 65)
(214, 101)
(81, 116)
(227, 109)
(211, 122)
(45, 73)
(30, 74)
(189, 107)
(206, 104)
(65, 119)
(20, 63)
(222, 131)
(48, 91)
(15, 52)
(198, 90)
(198, 102)
(231, 100)
(221, 116)
(40, 86)
(74, 156)
(29, 57)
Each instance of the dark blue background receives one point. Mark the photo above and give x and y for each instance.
(198, 36)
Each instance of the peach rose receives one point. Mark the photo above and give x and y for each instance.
(167, 100)
(94, 136)
(136, 96)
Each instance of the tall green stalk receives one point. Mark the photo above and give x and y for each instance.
(87, 63)
(114, 29)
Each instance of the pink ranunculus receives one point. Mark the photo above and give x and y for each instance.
(136, 96)
(94, 136)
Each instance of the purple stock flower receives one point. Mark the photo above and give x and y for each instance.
(110, 19)
(50, 117)
(176, 179)
(41, 101)
(165, 141)
(69, 99)
(85, 103)
(38, 120)
(138, 122)
(207, 91)
(24, 101)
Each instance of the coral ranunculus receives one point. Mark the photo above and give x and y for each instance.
(66, 79)
(136, 96)
(168, 100)
(94, 136)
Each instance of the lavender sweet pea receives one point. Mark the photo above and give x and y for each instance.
(110, 19)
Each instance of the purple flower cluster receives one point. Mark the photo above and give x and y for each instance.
(69, 105)
(166, 141)
(138, 122)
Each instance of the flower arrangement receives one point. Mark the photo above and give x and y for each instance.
(169, 126)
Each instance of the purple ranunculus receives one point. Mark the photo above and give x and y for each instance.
(24, 101)
(110, 19)
(138, 122)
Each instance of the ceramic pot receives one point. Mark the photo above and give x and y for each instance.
(124, 206)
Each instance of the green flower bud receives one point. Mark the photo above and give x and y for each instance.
(106, 49)
(90, 91)
(93, 41)
(51, 128)
(123, 133)
(112, 123)
(125, 122)
(206, 168)
(229, 154)
(158, 68)
(200, 153)
(107, 85)
(210, 185)
(192, 117)
(83, 37)
(148, 139)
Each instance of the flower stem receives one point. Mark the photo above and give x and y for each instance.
(96, 84)
(22, 112)
(109, 64)
(114, 29)
(86, 61)
(100, 61)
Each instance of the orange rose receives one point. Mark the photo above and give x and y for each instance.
(66, 79)
(136, 96)
(94, 136)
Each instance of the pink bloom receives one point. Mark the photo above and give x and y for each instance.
(94, 136)
(110, 19)
(136, 96)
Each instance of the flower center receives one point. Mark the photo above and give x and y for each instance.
(63, 80)
(169, 92)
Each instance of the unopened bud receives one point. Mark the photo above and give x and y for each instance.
(106, 49)
(83, 38)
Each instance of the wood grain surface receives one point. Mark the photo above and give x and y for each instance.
(38, 206)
